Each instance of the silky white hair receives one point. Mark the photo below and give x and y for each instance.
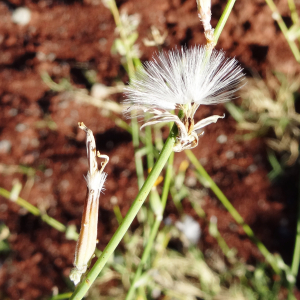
(96, 182)
(184, 76)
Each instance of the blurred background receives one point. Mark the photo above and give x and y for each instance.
(61, 63)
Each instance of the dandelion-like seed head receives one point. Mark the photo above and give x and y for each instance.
(183, 79)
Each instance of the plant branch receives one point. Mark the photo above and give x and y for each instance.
(35, 211)
(284, 29)
(154, 229)
(296, 256)
(223, 20)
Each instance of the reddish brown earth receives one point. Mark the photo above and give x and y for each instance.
(66, 38)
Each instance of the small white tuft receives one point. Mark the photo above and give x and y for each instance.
(184, 76)
(96, 182)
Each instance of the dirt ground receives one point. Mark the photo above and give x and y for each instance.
(66, 38)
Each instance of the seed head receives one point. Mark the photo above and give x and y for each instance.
(183, 79)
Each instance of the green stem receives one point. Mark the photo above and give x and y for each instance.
(294, 14)
(296, 256)
(131, 71)
(83, 287)
(137, 158)
(223, 19)
(35, 211)
(154, 229)
(149, 146)
(293, 10)
(61, 296)
(234, 213)
(142, 293)
(115, 12)
(284, 29)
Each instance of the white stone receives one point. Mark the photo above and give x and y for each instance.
(21, 16)
(229, 154)
(5, 146)
(48, 172)
(20, 127)
(252, 168)
(13, 112)
(222, 139)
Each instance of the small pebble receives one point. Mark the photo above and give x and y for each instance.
(35, 143)
(20, 127)
(252, 168)
(203, 161)
(103, 41)
(3, 207)
(13, 112)
(63, 104)
(222, 139)
(190, 181)
(115, 160)
(48, 172)
(41, 56)
(5, 146)
(64, 184)
(229, 154)
(21, 16)
(51, 56)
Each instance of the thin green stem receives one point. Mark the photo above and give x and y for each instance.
(158, 141)
(284, 29)
(83, 287)
(131, 72)
(154, 229)
(214, 232)
(144, 259)
(31, 208)
(35, 211)
(142, 293)
(137, 158)
(167, 183)
(61, 296)
(149, 146)
(234, 213)
(115, 12)
(294, 14)
(223, 19)
(293, 10)
(296, 256)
